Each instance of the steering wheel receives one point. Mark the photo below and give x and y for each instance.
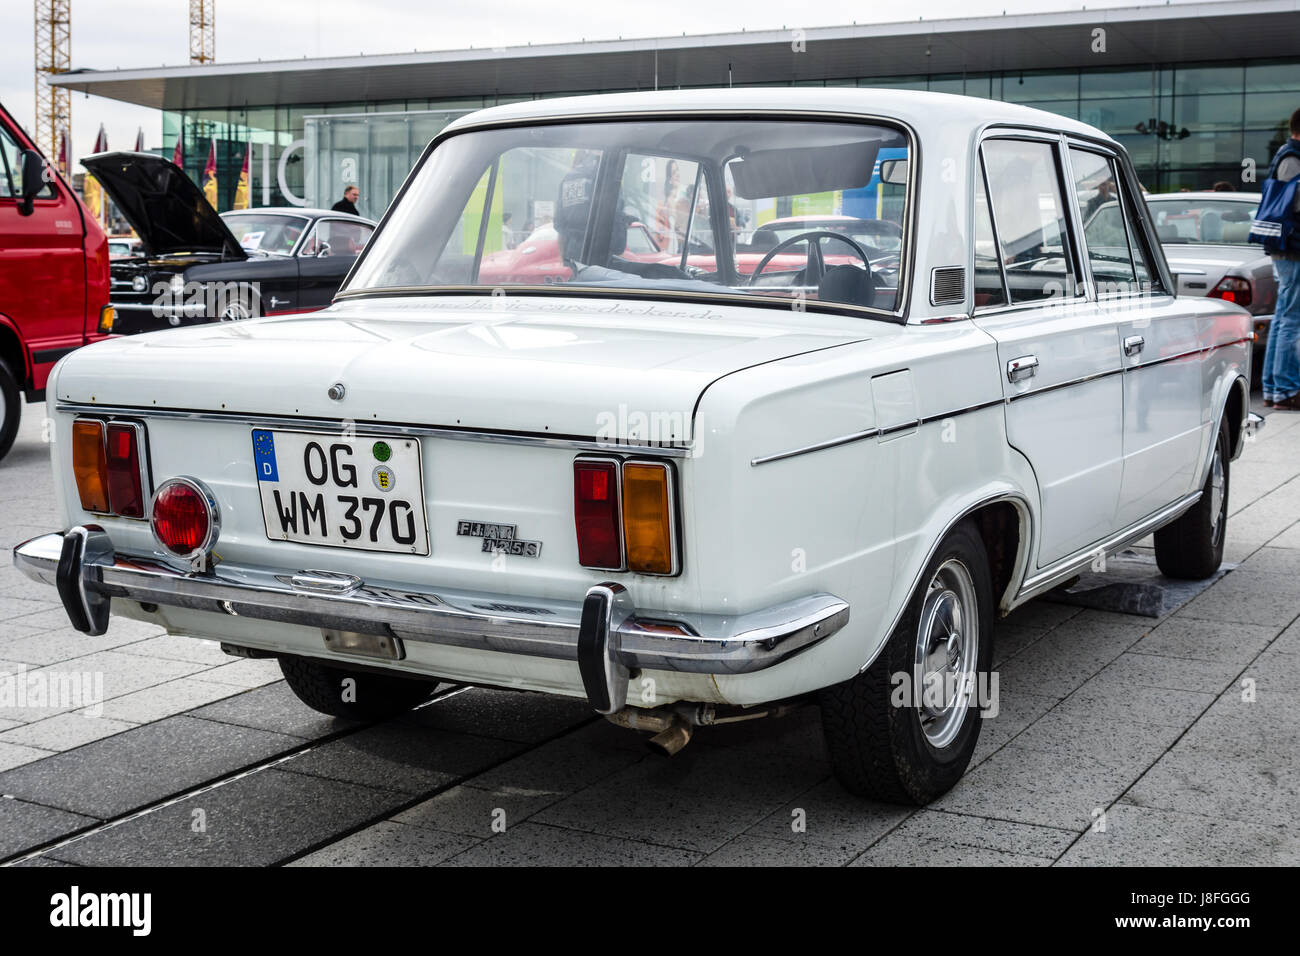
(816, 266)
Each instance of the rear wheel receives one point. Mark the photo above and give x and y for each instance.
(358, 695)
(1192, 546)
(11, 408)
(904, 729)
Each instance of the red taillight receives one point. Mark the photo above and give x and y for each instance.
(596, 514)
(125, 487)
(184, 517)
(1233, 290)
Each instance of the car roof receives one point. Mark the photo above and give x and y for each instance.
(922, 110)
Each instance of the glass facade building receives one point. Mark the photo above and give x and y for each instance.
(1187, 126)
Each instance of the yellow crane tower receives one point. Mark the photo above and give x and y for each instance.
(203, 31)
(53, 55)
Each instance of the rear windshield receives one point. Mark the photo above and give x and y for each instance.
(1217, 221)
(775, 209)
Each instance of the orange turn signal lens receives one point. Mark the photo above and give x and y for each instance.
(648, 517)
(90, 465)
(107, 319)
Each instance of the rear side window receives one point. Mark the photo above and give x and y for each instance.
(1028, 214)
(988, 274)
(1105, 232)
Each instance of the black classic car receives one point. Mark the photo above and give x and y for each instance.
(198, 266)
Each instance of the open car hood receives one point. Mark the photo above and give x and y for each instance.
(167, 210)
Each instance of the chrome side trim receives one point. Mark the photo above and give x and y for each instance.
(659, 640)
(334, 425)
(1044, 580)
(818, 446)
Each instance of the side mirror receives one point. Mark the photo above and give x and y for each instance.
(323, 251)
(894, 172)
(33, 171)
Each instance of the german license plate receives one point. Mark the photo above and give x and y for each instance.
(339, 492)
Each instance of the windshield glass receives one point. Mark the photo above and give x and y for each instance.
(1219, 221)
(266, 233)
(788, 209)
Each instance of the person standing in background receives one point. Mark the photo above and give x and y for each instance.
(348, 203)
(1281, 383)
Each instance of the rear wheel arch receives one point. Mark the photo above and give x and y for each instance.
(1235, 407)
(1004, 527)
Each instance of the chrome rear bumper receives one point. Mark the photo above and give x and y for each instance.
(603, 632)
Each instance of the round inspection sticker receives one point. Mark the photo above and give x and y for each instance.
(381, 451)
(383, 478)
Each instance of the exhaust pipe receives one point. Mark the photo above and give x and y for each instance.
(672, 738)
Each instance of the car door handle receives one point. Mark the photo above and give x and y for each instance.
(1133, 345)
(1024, 367)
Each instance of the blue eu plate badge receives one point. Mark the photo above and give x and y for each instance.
(264, 456)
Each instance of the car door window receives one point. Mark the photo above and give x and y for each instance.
(11, 169)
(1105, 233)
(1029, 219)
(989, 291)
(336, 237)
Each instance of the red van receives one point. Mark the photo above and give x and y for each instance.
(53, 274)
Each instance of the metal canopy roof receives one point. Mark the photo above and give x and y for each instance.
(1183, 33)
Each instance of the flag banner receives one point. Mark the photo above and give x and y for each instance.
(91, 191)
(210, 174)
(241, 188)
(139, 140)
(178, 154)
(63, 153)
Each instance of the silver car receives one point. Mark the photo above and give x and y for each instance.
(1204, 238)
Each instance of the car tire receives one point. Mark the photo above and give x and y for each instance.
(1191, 547)
(905, 750)
(11, 408)
(371, 696)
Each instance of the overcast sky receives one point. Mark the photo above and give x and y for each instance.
(109, 34)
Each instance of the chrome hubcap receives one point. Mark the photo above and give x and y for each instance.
(1217, 485)
(947, 653)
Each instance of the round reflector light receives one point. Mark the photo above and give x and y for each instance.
(184, 517)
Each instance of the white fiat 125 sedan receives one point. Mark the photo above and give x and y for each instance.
(687, 468)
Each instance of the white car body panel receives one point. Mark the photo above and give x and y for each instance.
(815, 452)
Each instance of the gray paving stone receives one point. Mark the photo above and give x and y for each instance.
(257, 820)
(59, 646)
(64, 731)
(16, 755)
(272, 707)
(1030, 786)
(389, 844)
(26, 825)
(1246, 598)
(246, 673)
(634, 809)
(1124, 700)
(1186, 637)
(569, 763)
(401, 757)
(472, 811)
(1099, 737)
(831, 818)
(1145, 836)
(898, 851)
(1239, 732)
(507, 715)
(1168, 673)
(132, 769)
(747, 850)
(1274, 560)
(531, 844)
(959, 830)
(174, 648)
(1256, 789)
(166, 700)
